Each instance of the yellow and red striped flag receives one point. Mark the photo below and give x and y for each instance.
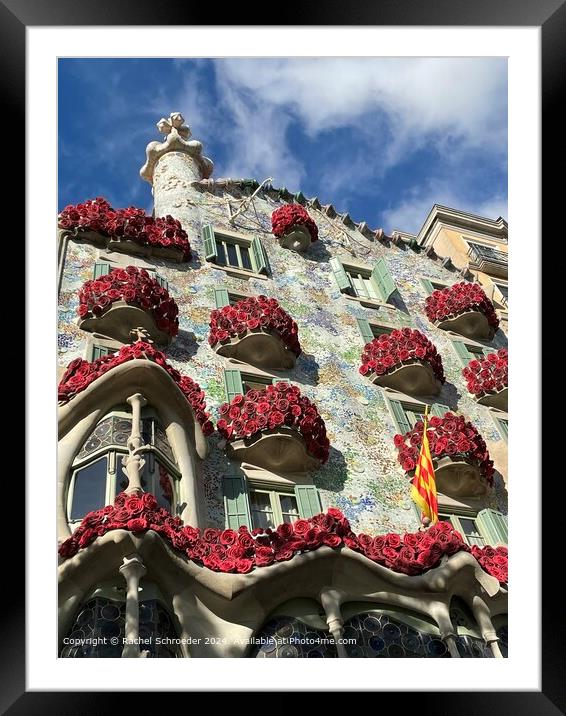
(423, 485)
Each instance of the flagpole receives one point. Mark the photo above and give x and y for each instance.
(425, 425)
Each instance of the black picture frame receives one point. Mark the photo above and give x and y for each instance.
(550, 16)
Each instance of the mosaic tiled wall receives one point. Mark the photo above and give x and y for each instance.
(362, 476)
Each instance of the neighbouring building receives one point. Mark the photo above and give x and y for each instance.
(243, 379)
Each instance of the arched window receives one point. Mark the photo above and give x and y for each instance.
(297, 629)
(387, 632)
(97, 476)
(98, 629)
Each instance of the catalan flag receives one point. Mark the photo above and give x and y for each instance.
(423, 486)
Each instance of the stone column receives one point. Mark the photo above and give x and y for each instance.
(331, 600)
(133, 462)
(172, 166)
(133, 570)
(450, 641)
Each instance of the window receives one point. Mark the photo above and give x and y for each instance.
(234, 251)
(364, 283)
(237, 382)
(467, 527)
(407, 413)
(370, 330)
(430, 286)
(486, 527)
(270, 508)
(502, 297)
(467, 351)
(487, 258)
(227, 297)
(97, 351)
(97, 476)
(265, 504)
(102, 617)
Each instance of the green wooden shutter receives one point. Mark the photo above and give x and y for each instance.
(236, 501)
(259, 255)
(162, 281)
(99, 351)
(503, 428)
(427, 285)
(365, 330)
(209, 242)
(101, 269)
(221, 297)
(493, 526)
(382, 280)
(403, 320)
(233, 384)
(487, 351)
(401, 420)
(438, 410)
(342, 278)
(463, 353)
(308, 500)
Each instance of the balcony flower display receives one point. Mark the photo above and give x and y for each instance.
(242, 551)
(255, 330)
(463, 308)
(81, 373)
(123, 289)
(404, 360)
(487, 379)
(275, 428)
(461, 459)
(163, 235)
(293, 226)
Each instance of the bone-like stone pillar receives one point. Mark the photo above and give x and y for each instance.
(133, 570)
(331, 600)
(133, 462)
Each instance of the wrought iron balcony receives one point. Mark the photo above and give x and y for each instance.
(488, 259)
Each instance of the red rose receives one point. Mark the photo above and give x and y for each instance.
(134, 505)
(87, 537)
(332, 540)
(301, 527)
(137, 524)
(68, 548)
(211, 535)
(228, 537)
(335, 512)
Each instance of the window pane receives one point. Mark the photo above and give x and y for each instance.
(359, 286)
(379, 330)
(475, 350)
(89, 492)
(262, 514)
(414, 416)
(246, 260)
(289, 508)
(255, 384)
(100, 437)
(164, 490)
(232, 255)
(220, 253)
(370, 289)
(470, 531)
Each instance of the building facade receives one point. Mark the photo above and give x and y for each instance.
(239, 423)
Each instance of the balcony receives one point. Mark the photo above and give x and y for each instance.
(276, 429)
(126, 300)
(257, 331)
(489, 260)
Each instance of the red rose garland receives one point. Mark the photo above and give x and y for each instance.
(493, 560)
(277, 405)
(388, 351)
(132, 285)
(241, 551)
(80, 374)
(253, 313)
(289, 216)
(461, 297)
(131, 224)
(450, 435)
(488, 374)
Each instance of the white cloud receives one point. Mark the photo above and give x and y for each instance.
(412, 210)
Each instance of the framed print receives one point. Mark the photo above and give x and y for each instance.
(282, 340)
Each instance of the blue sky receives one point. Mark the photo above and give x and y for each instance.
(381, 138)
